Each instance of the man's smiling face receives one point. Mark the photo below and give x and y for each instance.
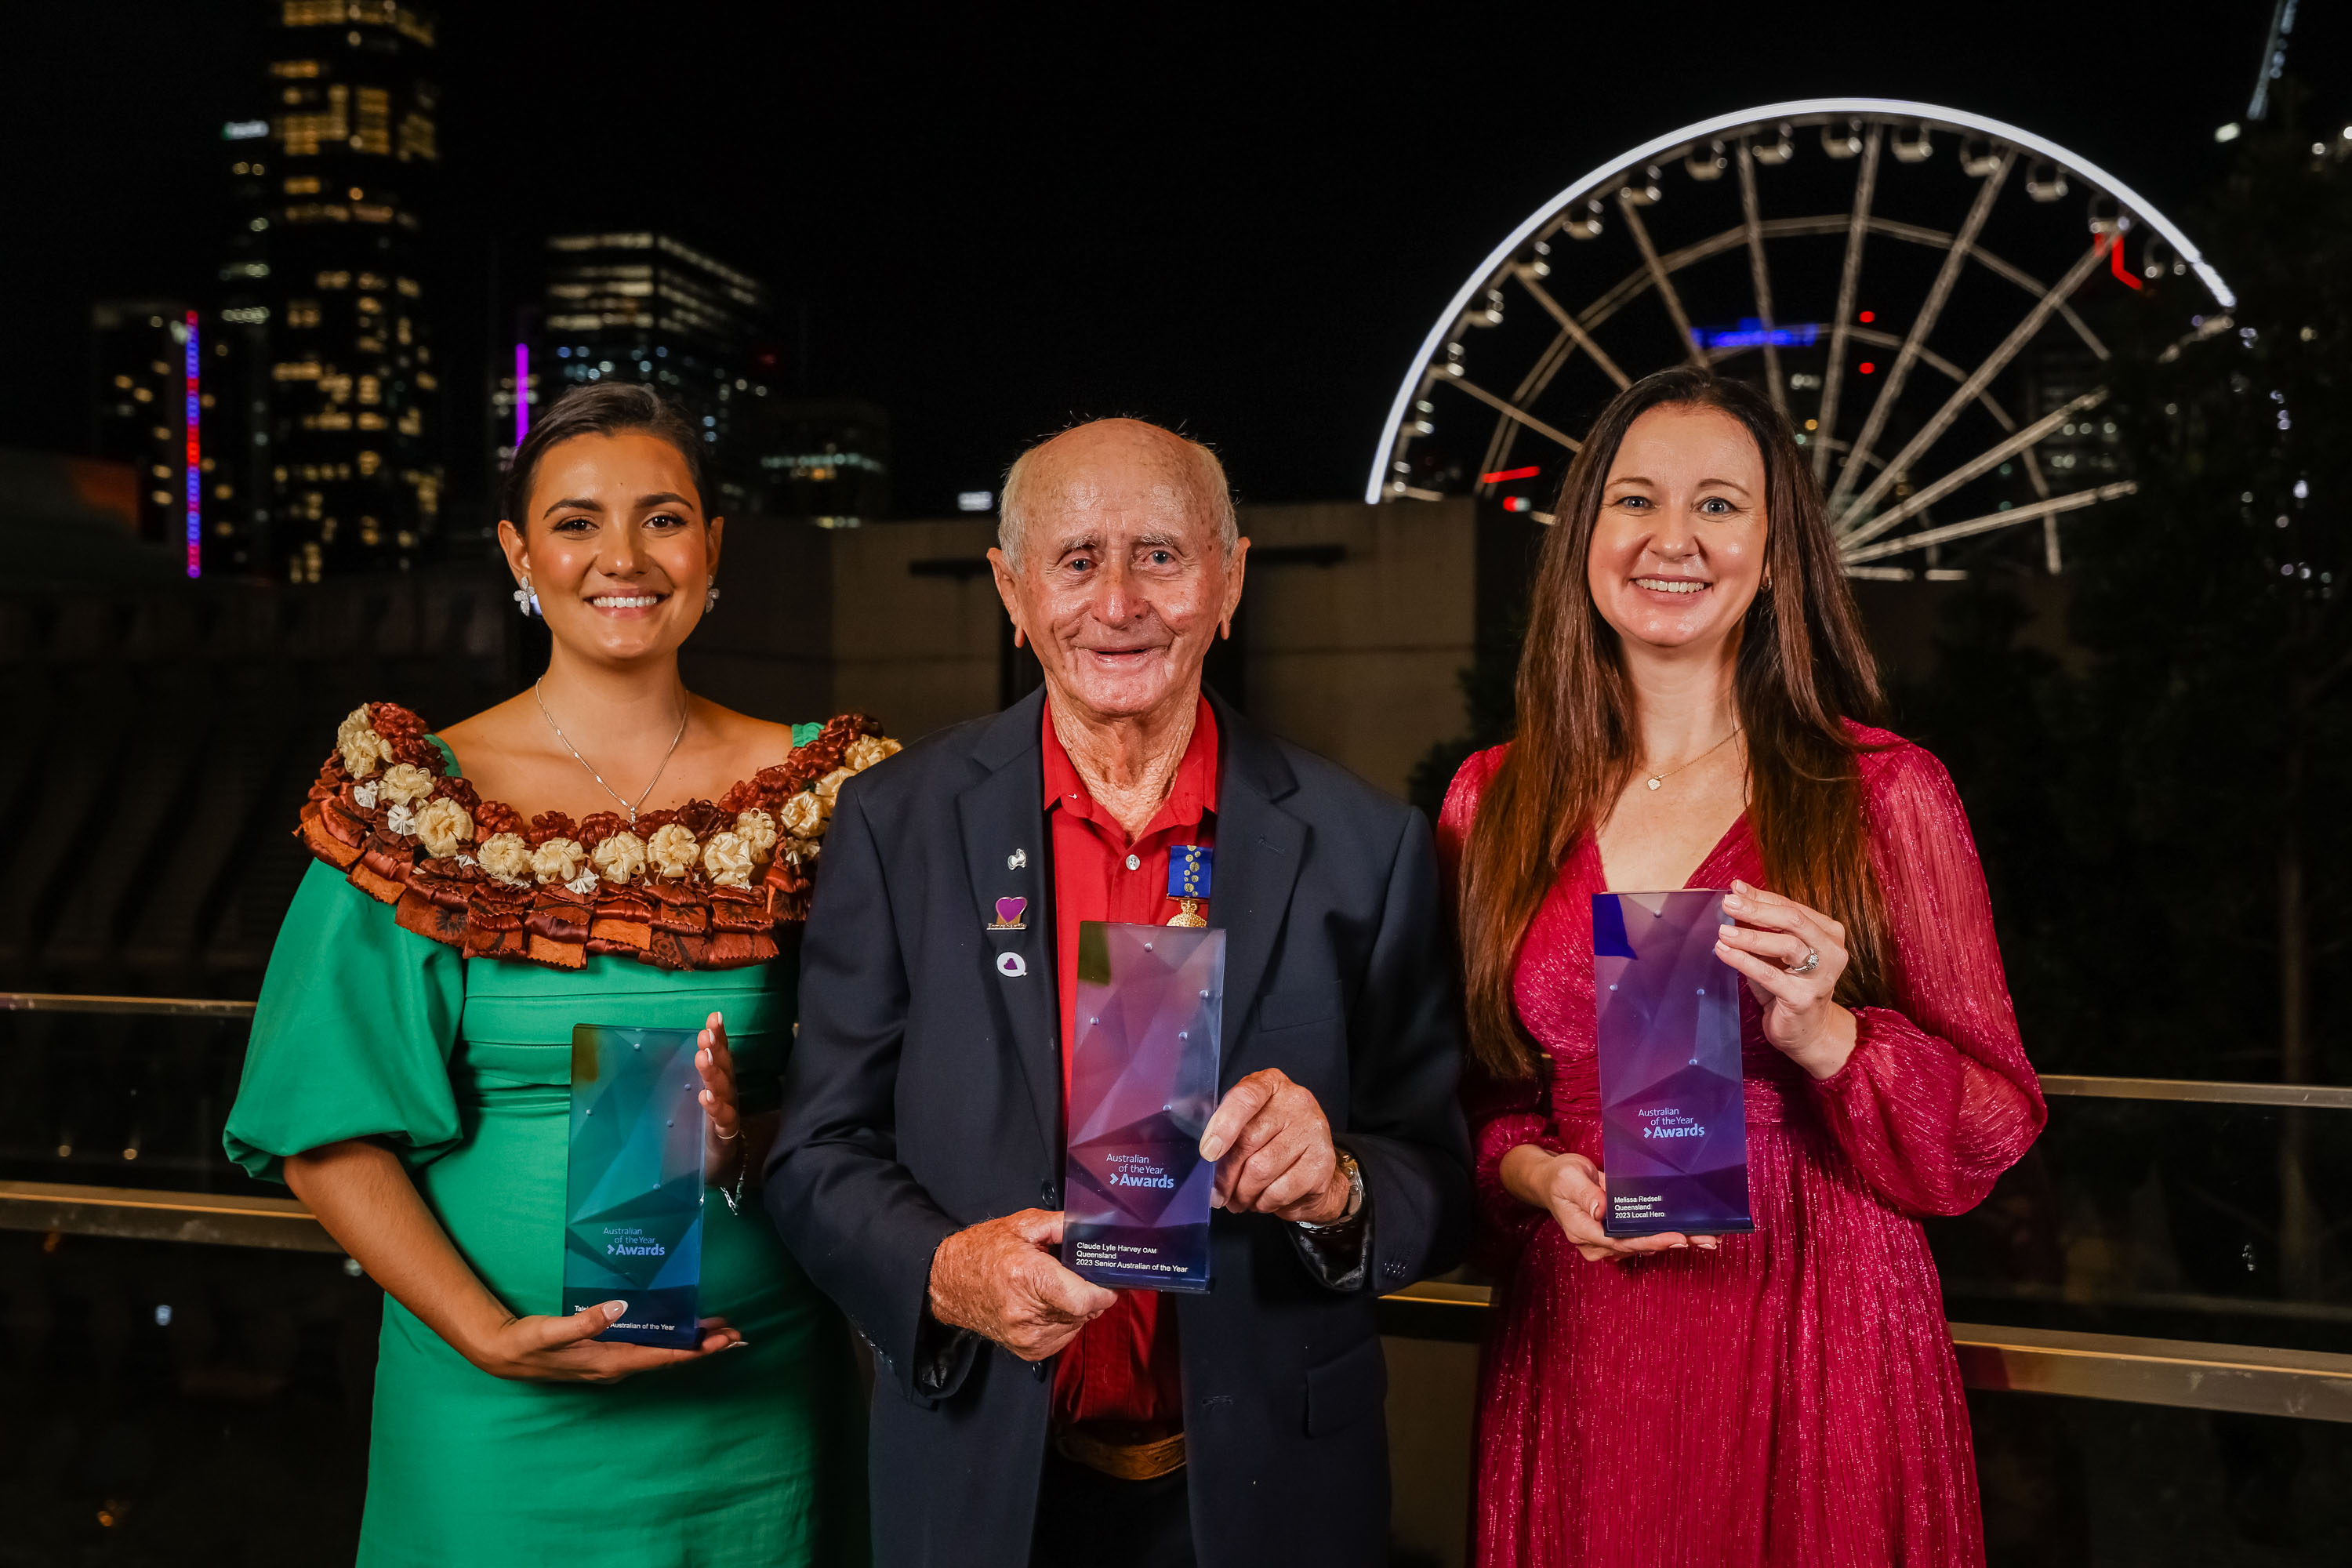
(1123, 578)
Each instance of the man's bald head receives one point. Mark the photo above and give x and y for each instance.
(1123, 460)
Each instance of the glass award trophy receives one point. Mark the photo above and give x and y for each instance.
(1144, 1083)
(1673, 1118)
(633, 1211)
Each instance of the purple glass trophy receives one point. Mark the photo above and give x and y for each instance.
(1144, 1083)
(1673, 1117)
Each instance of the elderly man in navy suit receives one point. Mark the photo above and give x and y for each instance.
(1023, 1415)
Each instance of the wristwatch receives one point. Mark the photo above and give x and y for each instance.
(1355, 1171)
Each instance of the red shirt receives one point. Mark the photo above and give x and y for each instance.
(1123, 1366)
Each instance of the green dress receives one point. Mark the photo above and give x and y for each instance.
(463, 1067)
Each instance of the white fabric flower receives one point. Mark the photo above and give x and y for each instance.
(829, 788)
(672, 850)
(507, 857)
(366, 794)
(584, 883)
(444, 825)
(400, 819)
(558, 861)
(803, 816)
(620, 857)
(867, 749)
(757, 829)
(404, 783)
(728, 860)
(361, 746)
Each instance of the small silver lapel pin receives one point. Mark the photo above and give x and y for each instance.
(1018, 858)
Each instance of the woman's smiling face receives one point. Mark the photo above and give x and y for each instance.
(615, 545)
(1678, 549)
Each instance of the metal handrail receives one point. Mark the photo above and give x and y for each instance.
(2184, 1373)
(219, 1219)
(2192, 1374)
(165, 1006)
(2200, 1092)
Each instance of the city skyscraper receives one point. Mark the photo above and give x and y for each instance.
(824, 460)
(172, 396)
(637, 306)
(139, 403)
(328, 273)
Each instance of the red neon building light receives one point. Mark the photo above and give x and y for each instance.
(1505, 476)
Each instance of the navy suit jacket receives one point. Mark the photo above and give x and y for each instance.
(923, 1095)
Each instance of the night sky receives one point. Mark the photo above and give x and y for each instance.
(1001, 218)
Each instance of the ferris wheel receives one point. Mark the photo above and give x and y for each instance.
(1903, 280)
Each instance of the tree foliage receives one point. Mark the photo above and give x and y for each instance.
(2166, 824)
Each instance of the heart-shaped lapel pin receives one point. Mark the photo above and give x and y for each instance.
(1008, 915)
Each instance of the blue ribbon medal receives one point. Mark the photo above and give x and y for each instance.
(1188, 881)
(1187, 870)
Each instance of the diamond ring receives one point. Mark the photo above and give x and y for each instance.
(1813, 962)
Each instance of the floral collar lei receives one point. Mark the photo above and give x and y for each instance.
(704, 887)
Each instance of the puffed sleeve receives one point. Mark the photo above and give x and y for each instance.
(1502, 1112)
(1938, 1098)
(353, 1035)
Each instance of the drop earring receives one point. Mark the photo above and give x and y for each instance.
(710, 598)
(526, 599)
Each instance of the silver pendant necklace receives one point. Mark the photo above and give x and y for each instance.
(1654, 780)
(608, 789)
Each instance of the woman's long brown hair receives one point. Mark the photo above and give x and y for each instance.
(1802, 668)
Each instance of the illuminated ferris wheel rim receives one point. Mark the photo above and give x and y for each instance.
(2125, 198)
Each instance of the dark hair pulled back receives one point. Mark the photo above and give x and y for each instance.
(601, 408)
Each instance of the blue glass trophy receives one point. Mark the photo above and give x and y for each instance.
(1144, 1083)
(1673, 1113)
(633, 1213)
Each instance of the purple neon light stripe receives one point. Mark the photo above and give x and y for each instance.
(194, 454)
(523, 392)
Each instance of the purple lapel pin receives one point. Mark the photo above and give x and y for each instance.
(1008, 915)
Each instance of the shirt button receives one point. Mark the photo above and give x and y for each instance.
(1134, 863)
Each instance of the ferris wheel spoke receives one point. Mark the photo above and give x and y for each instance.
(1660, 280)
(1752, 222)
(1532, 386)
(1574, 329)
(1929, 433)
(1865, 182)
(1509, 410)
(2073, 502)
(2034, 475)
(1921, 500)
(1955, 257)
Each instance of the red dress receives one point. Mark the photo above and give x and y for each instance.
(1792, 1397)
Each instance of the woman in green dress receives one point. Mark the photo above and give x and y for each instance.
(607, 849)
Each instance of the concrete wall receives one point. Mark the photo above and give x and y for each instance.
(913, 646)
(1360, 659)
(767, 649)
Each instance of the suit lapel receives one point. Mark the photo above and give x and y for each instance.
(1002, 813)
(1260, 847)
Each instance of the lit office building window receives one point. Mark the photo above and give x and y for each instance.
(329, 258)
(634, 305)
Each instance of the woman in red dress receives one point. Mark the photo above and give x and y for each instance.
(1692, 706)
